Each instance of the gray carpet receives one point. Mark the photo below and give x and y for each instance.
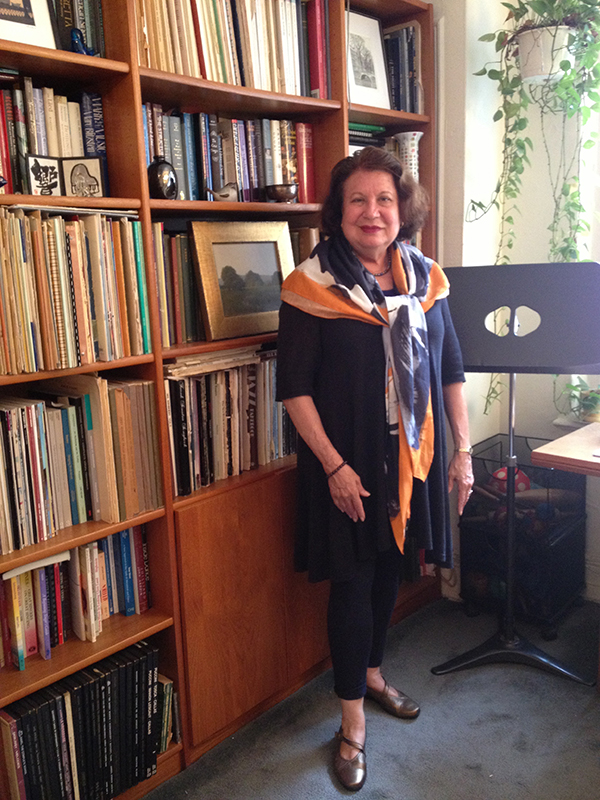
(495, 732)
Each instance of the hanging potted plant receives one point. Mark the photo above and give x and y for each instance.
(569, 90)
(548, 55)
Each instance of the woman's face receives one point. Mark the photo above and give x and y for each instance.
(370, 213)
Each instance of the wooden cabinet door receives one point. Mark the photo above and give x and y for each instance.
(231, 558)
(305, 603)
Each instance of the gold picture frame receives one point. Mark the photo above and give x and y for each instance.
(240, 267)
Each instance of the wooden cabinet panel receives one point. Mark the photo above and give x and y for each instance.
(231, 559)
(305, 603)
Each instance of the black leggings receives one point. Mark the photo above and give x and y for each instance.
(358, 616)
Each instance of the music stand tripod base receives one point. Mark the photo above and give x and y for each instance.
(517, 650)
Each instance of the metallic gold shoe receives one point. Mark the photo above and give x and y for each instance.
(351, 773)
(401, 706)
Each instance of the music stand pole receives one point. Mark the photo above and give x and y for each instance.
(507, 645)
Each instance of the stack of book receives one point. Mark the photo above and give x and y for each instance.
(82, 449)
(43, 602)
(36, 121)
(223, 417)
(93, 734)
(403, 53)
(73, 289)
(274, 45)
(362, 134)
(208, 152)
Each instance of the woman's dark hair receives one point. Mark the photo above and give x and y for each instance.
(413, 199)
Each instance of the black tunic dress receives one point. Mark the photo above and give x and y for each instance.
(340, 363)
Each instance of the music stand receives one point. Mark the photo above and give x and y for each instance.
(566, 297)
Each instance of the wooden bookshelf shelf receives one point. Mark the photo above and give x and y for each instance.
(109, 203)
(97, 366)
(382, 116)
(71, 537)
(208, 207)
(193, 94)
(119, 632)
(192, 348)
(238, 481)
(60, 64)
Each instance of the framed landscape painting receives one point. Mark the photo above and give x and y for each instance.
(240, 267)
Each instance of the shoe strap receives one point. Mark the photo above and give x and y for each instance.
(340, 736)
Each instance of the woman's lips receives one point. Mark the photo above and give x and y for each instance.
(370, 229)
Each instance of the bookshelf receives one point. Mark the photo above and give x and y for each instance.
(223, 587)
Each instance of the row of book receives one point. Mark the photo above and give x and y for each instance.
(223, 417)
(209, 152)
(274, 45)
(34, 120)
(92, 735)
(80, 448)
(72, 289)
(42, 603)
(403, 55)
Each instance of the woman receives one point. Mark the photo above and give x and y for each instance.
(367, 362)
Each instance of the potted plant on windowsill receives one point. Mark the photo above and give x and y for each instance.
(581, 402)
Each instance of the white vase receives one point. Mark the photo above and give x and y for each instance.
(540, 52)
(408, 142)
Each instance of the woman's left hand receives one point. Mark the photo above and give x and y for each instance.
(460, 472)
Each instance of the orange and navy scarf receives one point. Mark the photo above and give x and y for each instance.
(333, 284)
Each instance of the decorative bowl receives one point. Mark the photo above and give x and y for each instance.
(282, 192)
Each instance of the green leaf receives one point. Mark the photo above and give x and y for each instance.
(498, 115)
(487, 37)
(589, 144)
(482, 71)
(494, 74)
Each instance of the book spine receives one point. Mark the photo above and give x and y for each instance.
(306, 170)
(28, 614)
(141, 278)
(128, 596)
(177, 156)
(5, 161)
(17, 635)
(190, 156)
(21, 135)
(11, 133)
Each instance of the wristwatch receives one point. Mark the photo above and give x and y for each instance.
(468, 450)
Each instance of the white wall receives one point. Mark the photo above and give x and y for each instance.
(469, 147)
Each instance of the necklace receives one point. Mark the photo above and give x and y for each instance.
(387, 269)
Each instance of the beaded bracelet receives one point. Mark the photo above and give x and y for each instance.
(337, 469)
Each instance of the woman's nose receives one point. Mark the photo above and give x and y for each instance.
(372, 209)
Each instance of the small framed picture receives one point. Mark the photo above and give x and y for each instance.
(82, 177)
(44, 175)
(29, 22)
(367, 72)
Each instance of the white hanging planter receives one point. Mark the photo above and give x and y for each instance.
(540, 52)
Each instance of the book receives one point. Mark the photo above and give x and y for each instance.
(305, 162)
(12, 755)
(27, 603)
(127, 572)
(15, 622)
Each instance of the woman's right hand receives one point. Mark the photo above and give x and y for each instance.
(346, 492)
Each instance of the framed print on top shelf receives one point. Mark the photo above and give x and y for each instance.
(29, 22)
(240, 266)
(366, 69)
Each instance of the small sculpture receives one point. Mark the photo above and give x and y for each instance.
(226, 193)
(162, 180)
